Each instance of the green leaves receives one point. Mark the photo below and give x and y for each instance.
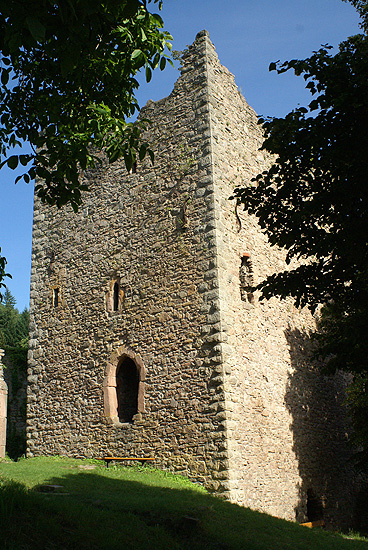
(3, 274)
(36, 29)
(13, 162)
(67, 65)
(74, 68)
(137, 58)
(313, 202)
(5, 76)
(25, 159)
(142, 151)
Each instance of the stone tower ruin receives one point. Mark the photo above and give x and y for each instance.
(146, 337)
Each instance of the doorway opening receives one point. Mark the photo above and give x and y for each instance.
(314, 506)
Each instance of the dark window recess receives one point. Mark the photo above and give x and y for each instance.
(127, 385)
(56, 297)
(314, 506)
(116, 295)
(246, 279)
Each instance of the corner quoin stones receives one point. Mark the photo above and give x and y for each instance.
(228, 396)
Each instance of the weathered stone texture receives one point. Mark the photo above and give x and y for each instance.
(229, 396)
(286, 424)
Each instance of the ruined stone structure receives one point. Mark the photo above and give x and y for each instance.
(15, 377)
(146, 337)
(3, 407)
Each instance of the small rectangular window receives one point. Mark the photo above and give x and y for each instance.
(116, 296)
(56, 297)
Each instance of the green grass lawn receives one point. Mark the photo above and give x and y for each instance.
(134, 508)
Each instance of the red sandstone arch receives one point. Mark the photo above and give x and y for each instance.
(109, 383)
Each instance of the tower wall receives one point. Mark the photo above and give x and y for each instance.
(150, 270)
(152, 231)
(286, 423)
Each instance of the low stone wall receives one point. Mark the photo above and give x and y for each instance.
(3, 407)
(16, 378)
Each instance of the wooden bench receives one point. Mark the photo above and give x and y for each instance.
(109, 459)
(311, 524)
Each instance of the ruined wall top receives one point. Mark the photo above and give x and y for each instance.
(198, 51)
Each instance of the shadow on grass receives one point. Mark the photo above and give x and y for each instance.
(96, 510)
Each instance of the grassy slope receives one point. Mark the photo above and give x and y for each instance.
(134, 508)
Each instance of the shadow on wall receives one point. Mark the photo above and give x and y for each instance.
(320, 428)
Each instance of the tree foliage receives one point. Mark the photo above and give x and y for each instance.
(14, 340)
(313, 202)
(13, 327)
(67, 81)
(67, 86)
(3, 272)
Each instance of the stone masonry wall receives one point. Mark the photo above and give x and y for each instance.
(286, 422)
(229, 395)
(152, 231)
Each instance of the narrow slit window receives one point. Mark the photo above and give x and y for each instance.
(56, 297)
(246, 277)
(116, 295)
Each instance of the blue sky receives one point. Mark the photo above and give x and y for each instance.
(248, 35)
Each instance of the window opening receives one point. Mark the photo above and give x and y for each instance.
(127, 386)
(56, 297)
(246, 277)
(116, 294)
(124, 386)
